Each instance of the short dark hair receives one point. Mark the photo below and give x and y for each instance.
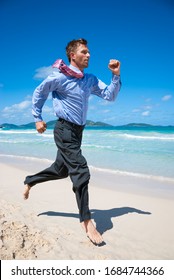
(72, 46)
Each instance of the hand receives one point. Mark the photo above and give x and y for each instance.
(41, 126)
(114, 66)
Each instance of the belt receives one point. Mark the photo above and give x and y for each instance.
(70, 123)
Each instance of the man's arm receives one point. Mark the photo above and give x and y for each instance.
(109, 92)
(40, 95)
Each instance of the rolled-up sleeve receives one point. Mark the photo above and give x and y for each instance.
(107, 92)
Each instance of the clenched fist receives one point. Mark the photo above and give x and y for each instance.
(114, 66)
(41, 126)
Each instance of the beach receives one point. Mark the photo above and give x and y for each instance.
(135, 216)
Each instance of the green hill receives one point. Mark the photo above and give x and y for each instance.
(50, 125)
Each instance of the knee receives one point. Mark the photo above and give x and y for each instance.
(64, 174)
(81, 181)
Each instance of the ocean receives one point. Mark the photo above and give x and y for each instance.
(136, 151)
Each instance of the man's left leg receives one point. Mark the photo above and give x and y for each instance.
(56, 171)
(68, 140)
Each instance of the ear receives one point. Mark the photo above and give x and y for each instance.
(72, 55)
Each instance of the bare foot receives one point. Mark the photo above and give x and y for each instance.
(94, 236)
(27, 191)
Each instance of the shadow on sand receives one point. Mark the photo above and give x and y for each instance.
(102, 218)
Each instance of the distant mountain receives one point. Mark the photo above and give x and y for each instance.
(97, 124)
(8, 126)
(138, 125)
(134, 125)
(89, 124)
(50, 125)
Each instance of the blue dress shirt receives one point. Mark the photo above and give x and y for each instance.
(70, 95)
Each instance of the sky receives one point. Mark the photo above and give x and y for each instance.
(139, 33)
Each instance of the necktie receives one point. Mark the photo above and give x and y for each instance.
(60, 64)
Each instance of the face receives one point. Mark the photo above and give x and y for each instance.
(80, 57)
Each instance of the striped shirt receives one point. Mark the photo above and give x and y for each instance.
(70, 95)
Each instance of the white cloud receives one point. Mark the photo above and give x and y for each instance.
(43, 72)
(92, 108)
(104, 102)
(21, 113)
(147, 107)
(110, 119)
(166, 97)
(17, 107)
(106, 111)
(22, 108)
(48, 110)
(17, 113)
(28, 97)
(91, 98)
(146, 113)
(135, 110)
(148, 100)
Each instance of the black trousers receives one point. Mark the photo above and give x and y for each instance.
(69, 162)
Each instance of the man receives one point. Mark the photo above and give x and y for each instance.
(70, 92)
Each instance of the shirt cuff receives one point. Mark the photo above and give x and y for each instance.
(38, 119)
(116, 78)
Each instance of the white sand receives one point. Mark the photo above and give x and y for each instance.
(136, 219)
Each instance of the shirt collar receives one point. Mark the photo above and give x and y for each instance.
(75, 69)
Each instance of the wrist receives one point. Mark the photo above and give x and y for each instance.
(117, 73)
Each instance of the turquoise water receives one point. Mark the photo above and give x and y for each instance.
(139, 151)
